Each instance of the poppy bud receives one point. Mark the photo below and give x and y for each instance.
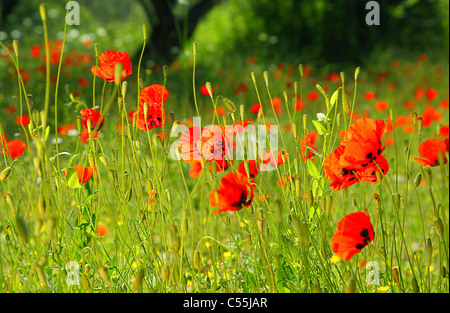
(165, 71)
(104, 275)
(118, 69)
(305, 120)
(428, 251)
(144, 31)
(297, 186)
(396, 277)
(351, 285)
(197, 260)
(357, 72)
(309, 198)
(138, 280)
(185, 226)
(229, 104)
(397, 199)
(345, 102)
(300, 68)
(103, 159)
(252, 74)
(329, 203)
(194, 48)
(249, 239)
(165, 272)
(439, 225)
(418, 179)
(327, 104)
(41, 275)
(415, 286)
(41, 204)
(266, 78)
(22, 229)
(50, 227)
(5, 173)
(301, 230)
(9, 199)
(91, 159)
(43, 13)
(129, 194)
(419, 126)
(87, 268)
(209, 88)
(260, 224)
(86, 284)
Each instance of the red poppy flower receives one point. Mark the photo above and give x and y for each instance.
(409, 104)
(420, 91)
(14, 148)
(190, 144)
(430, 150)
(3, 139)
(443, 131)
(253, 168)
(364, 144)
(154, 95)
(92, 115)
(313, 95)
(84, 136)
(83, 82)
(443, 104)
(196, 169)
(232, 193)
(354, 232)
(285, 180)
(305, 148)
(429, 116)
(84, 173)
(156, 117)
(23, 120)
(108, 61)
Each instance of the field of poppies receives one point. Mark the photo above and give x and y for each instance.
(288, 179)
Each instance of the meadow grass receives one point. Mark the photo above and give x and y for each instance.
(163, 235)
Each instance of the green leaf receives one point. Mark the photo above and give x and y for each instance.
(312, 169)
(320, 128)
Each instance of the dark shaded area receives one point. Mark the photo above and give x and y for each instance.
(6, 8)
(336, 31)
(168, 29)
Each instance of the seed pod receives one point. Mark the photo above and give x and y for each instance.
(5, 173)
(165, 272)
(309, 198)
(249, 239)
(329, 203)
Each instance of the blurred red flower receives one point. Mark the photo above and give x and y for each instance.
(92, 115)
(430, 150)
